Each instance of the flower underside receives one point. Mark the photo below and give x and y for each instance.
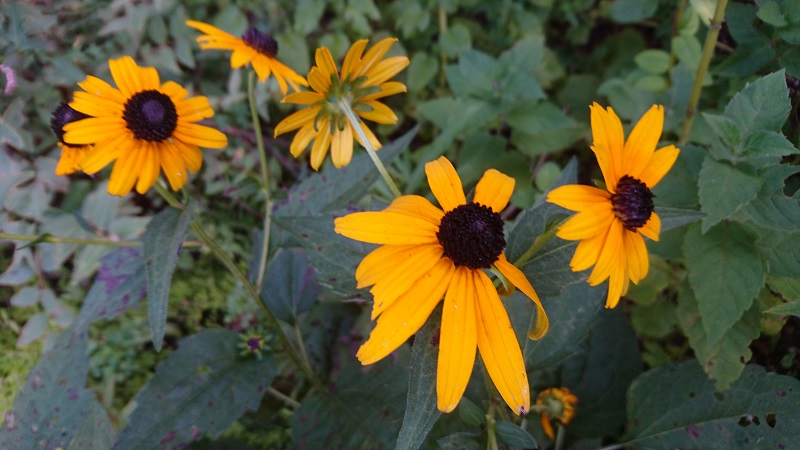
(632, 203)
(472, 235)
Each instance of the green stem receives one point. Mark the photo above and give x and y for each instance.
(702, 69)
(537, 244)
(491, 429)
(46, 238)
(299, 336)
(262, 263)
(283, 397)
(355, 122)
(560, 435)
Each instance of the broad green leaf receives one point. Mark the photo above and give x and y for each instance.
(648, 291)
(200, 389)
(333, 256)
(782, 252)
(762, 105)
(786, 309)
(52, 403)
(653, 61)
(770, 12)
(628, 11)
(95, 432)
(656, 319)
(676, 406)
(772, 208)
(542, 128)
(788, 288)
(724, 189)
(421, 411)
(726, 274)
(704, 9)
(118, 286)
(459, 441)
(473, 75)
(725, 128)
(677, 217)
(687, 48)
(27, 296)
(766, 144)
(162, 244)
(32, 330)
(289, 287)
(456, 39)
(362, 410)
(724, 360)
(470, 413)
(333, 189)
(421, 71)
(514, 436)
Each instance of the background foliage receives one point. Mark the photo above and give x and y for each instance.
(704, 352)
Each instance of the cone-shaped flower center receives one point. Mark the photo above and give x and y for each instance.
(151, 116)
(633, 202)
(472, 235)
(260, 42)
(63, 115)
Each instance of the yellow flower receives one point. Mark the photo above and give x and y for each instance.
(71, 155)
(558, 404)
(143, 125)
(364, 79)
(610, 224)
(428, 253)
(254, 47)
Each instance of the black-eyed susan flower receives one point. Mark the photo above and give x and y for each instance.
(253, 47)
(363, 81)
(557, 404)
(428, 253)
(610, 224)
(71, 155)
(143, 125)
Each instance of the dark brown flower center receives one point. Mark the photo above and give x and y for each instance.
(262, 43)
(63, 115)
(472, 235)
(633, 202)
(151, 116)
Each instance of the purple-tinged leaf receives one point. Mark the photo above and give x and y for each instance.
(118, 286)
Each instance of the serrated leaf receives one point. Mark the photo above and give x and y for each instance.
(95, 432)
(770, 12)
(724, 360)
(456, 39)
(333, 189)
(786, 309)
(726, 274)
(363, 409)
(675, 406)
(762, 105)
(782, 252)
(725, 128)
(290, 287)
(514, 436)
(542, 128)
(761, 144)
(772, 208)
(200, 389)
(723, 190)
(677, 217)
(421, 410)
(162, 242)
(52, 403)
(118, 286)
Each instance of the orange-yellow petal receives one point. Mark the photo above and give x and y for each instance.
(303, 98)
(297, 120)
(386, 227)
(379, 113)
(494, 190)
(641, 143)
(342, 147)
(659, 165)
(321, 144)
(652, 228)
(417, 206)
(445, 183)
(636, 255)
(608, 137)
(457, 340)
(373, 55)
(612, 256)
(587, 252)
(518, 279)
(588, 223)
(353, 57)
(576, 197)
(399, 279)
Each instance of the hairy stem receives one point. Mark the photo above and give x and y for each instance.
(262, 262)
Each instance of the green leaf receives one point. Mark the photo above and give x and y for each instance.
(772, 208)
(421, 410)
(333, 189)
(289, 287)
(769, 144)
(786, 309)
(726, 274)
(687, 48)
(770, 12)
(363, 409)
(724, 189)
(542, 128)
(118, 286)
(95, 432)
(725, 128)
(788, 288)
(762, 105)
(421, 71)
(782, 252)
(459, 441)
(514, 436)
(675, 406)
(456, 39)
(200, 389)
(653, 61)
(677, 217)
(723, 360)
(162, 242)
(474, 75)
(52, 403)
(628, 11)
(470, 413)
(656, 319)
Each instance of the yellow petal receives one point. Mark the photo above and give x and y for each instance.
(652, 228)
(588, 223)
(499, 347)
(407, 314)
(385, 70)
(319, 81)
(97, 87)
(173, 166)
(576, 197)
(617, 285)
(194, 109)
(321, 144)
(659, 165)
(303, 98)
(612, 256)
(242, 56)
(208, 29)
(381, 260)
(387, 89)
(417, 206)
(373, 55)
(325, 62)
(178, 93)
(69, 161)
(587, 252)
(457, 340)
(642, 141)
(494, 190)
(386, 227)
(445, 183)
(380, 113)
(93, 130)
(353, 57)
(608, 135)
(405, 273)
(342, 147)
(297, 120)
(149, 167)
(636, 254)
(200, 135)
(191, 155)
(124, 173)
(518, 279)
(106, 153)
(302, 139)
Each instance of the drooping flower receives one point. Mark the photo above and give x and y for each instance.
(610, 224)
(143, 125)
(557, 404)
(364, 79)
(428, 253)
(253, 47)
(71, 155)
